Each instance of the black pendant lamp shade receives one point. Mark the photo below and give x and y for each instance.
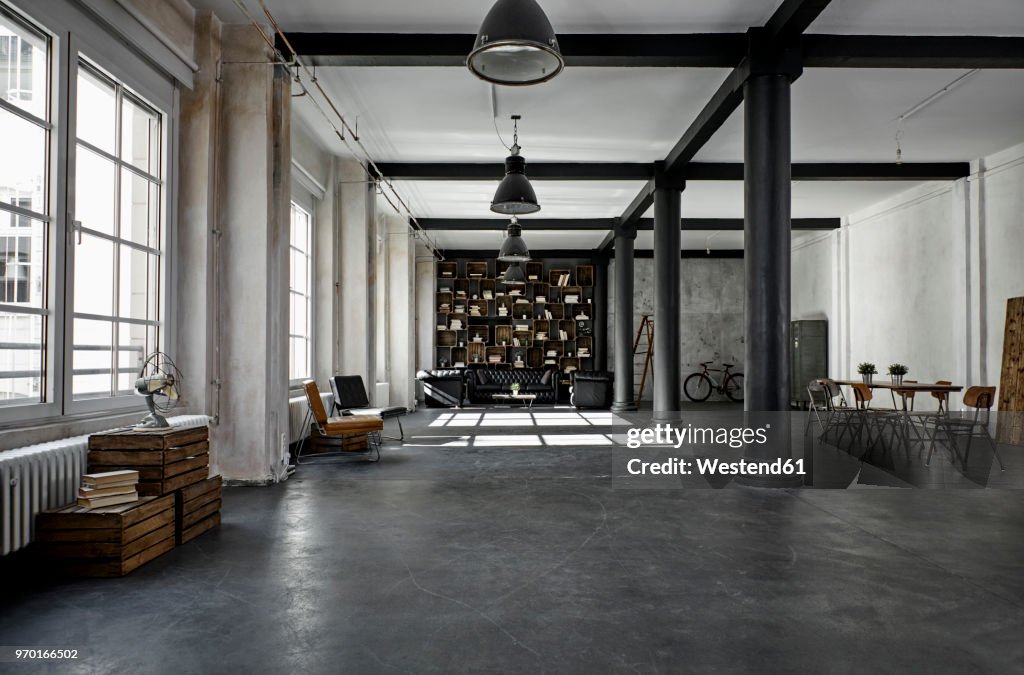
(514, 276)
(516, 45)
(515, 195)
(513, 248)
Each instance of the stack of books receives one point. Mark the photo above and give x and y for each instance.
(582, 317)
(563, 280)
(503, 311)
(108, 489)
(444, 307)
(474, 310)
(541, 298)
(583, 352)
(523, 326)
(572, 299)
(456, 324)
(541, 335)
(494, 358)
(460, 309)
(563, 335)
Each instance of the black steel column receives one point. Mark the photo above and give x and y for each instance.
(667, 367)
(766, 240)
(600, 311)
(625, 237)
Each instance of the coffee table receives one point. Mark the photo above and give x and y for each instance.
(526, 399)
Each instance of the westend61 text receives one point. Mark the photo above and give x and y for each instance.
(714, 467)
(666, 434)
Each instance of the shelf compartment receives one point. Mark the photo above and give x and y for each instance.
(585, 275)
(447, 269)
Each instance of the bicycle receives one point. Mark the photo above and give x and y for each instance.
(699, 386)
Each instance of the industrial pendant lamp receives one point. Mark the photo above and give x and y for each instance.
(516, 45)
(515, 195)
(514, 276)
(513, 248)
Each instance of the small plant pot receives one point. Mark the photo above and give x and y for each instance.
(897, 379)
(867, 378)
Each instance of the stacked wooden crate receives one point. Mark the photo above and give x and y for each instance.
(172, 461)
(197, 508)
(107, 541)
(166, 459)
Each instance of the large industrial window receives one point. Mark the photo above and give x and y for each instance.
(25, 130)
(300, 294)
(83, 182)
(118, 180)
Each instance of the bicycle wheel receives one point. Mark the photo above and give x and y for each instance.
(734, 387)
(697, 387)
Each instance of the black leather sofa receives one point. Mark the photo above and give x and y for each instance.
(443, 388)
(592, 389)
(485, 382)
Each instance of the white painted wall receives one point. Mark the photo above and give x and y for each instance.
(923, 278)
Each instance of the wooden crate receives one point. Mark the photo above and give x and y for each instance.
(197, 508)
(166, 459)
(108, 541)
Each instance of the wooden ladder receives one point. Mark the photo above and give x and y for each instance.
(646, 327)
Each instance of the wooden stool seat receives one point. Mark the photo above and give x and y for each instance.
(352, 424)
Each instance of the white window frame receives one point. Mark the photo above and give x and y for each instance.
(303, 200)
(74, 31)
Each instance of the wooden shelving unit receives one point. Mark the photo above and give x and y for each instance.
(483, 323)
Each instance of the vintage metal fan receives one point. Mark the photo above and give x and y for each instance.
(159, 381)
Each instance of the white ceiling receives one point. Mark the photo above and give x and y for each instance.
(899, 17)
(637, 114)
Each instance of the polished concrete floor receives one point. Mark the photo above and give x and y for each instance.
(500, 545)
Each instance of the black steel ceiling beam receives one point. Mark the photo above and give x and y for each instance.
(692, 171)
(602, 224)
(765, 44)
(912, 51)
(586, 254)
(535, 170)
(693, 50)
(698, 50)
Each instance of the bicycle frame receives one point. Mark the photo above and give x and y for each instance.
(719, 386)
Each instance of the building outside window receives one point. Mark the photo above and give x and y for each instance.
(118, 181)
(25, 127)
(300, 293)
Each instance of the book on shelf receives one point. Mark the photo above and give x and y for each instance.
(582, 317)
(547, 314)
(552, 352)
(476, 274)
(444, 289)
(531, 277)
(563, 335)
(515, 342)
(572, 299)
(541, 298)
(461, 293)
(522, 301)
(515, 291)
(459, 364)
(542, 335)
(456, 324)
(522, 326)
(488, 295)
(563, 280)
(549, 362)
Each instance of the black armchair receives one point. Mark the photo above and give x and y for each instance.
(592, 389)
(443, 388)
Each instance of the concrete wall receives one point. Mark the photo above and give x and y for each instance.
(711, 311)
(356, 247)
(254, 183)
(923, 278)
(401, 308)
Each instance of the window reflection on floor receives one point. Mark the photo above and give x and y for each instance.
(526, 419)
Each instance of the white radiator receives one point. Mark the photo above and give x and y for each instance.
(46, 476)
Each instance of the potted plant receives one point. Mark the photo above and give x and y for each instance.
(515, 388)
(897, 371)
(867, 370)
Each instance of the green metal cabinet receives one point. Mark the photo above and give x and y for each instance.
(808, 356)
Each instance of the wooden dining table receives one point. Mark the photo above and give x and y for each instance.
(915, 387)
